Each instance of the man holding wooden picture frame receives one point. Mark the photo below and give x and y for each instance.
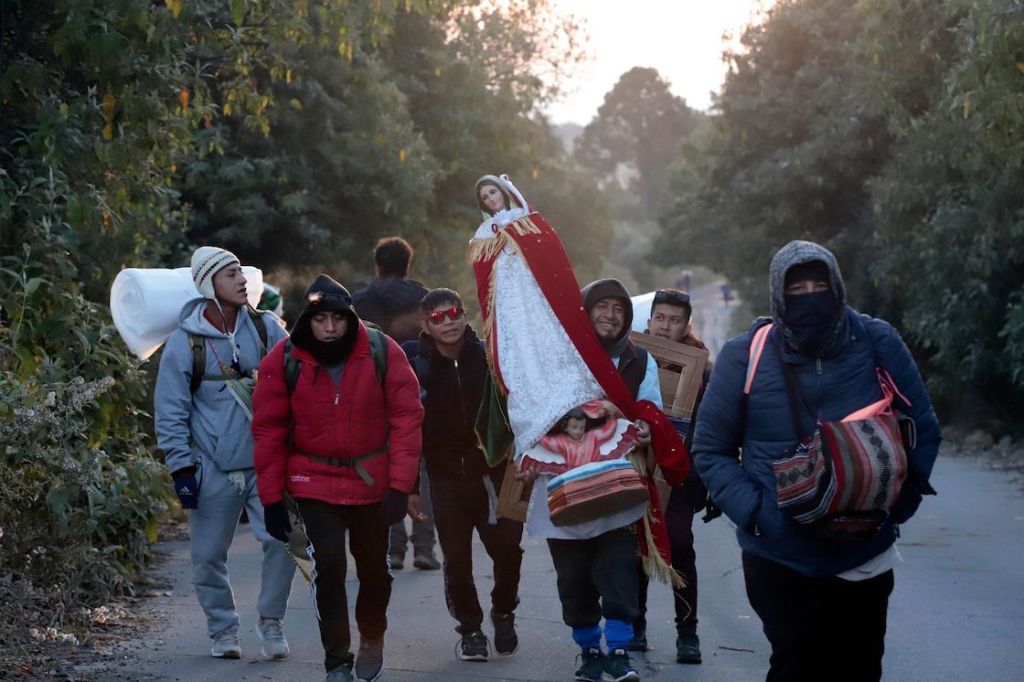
(683, 372)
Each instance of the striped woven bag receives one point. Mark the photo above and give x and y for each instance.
(845, 477)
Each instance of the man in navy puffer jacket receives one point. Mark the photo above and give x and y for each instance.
(822, 602)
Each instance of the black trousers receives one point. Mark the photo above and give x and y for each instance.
(597, 577)
(460, 507)
(679, 523)
(819, 628)
(326, 526)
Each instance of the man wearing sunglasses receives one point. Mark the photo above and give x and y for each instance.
(671, 313)
(451, 365)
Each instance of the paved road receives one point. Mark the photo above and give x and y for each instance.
(712, 318)
(957, 612)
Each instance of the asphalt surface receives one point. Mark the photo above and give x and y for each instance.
(957, 612)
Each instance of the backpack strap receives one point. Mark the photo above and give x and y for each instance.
(292, 367)
(259, 322)
(756, 349)
(379, 352)
(198, 345)
(350, 462)
(421, 366)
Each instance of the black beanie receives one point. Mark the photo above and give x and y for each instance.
(326, 294)
(811, 271)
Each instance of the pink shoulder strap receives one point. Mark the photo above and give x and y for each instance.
(756, 348)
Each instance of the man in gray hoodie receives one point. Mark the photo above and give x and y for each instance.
(203, 407)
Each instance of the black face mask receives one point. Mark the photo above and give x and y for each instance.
(331, 353)
(811, 318)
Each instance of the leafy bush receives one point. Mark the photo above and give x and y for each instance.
(80, 492)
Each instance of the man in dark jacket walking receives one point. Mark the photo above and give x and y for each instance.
(822, 601)
(336, 421)
(451, 365)
(392, 302)
(671, 312)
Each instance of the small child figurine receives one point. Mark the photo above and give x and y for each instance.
(579, 435)
(575, 424)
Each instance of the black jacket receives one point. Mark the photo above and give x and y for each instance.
(393, 304)
(451, 393)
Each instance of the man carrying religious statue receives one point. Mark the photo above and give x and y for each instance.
(589, 501)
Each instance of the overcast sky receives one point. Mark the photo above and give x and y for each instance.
(682, 39)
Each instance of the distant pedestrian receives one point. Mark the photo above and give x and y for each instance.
(392, 302)
(451, 365)
(392, 299)
(203, 426)
(818, 579)
(684, 280)
(337, 426)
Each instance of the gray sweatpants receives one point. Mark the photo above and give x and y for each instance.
(212, 528)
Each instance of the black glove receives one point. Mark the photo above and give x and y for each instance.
(712, 511)
(275, 518)
(186, 487)
(395, 506)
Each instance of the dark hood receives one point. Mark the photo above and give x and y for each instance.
(798, 252)
(390, 295)
(610, 288)
(335, 299)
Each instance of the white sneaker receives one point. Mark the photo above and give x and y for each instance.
(226, 645)
(271, 631)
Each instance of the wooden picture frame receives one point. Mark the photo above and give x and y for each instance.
(679, 389)
(514, 497)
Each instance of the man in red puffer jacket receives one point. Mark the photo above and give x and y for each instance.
(339, 430)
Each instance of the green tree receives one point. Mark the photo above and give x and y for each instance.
(638, 128)
(473, 110)
(950, 212)
(105, 102)
(339, 165)
(888, 131)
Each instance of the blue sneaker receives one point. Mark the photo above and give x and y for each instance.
(616, 664)
(592, 666)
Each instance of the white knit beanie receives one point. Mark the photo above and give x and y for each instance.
(207, 261)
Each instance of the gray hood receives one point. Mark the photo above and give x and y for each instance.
(795, 253)
(192, 320)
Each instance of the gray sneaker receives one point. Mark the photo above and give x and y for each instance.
(226, 645)
(340, 674)
(271, 630)
(370, 659)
